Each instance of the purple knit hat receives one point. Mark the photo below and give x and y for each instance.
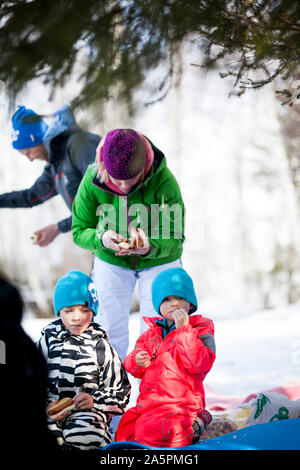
(124, 154)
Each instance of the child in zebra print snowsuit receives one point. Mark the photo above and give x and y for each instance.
(82, 365)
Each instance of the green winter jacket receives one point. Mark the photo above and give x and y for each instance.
(155, 205)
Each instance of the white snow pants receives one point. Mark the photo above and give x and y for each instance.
(115, 287)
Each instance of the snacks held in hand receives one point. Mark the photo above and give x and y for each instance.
(134, 242)
(35, 238)
(127, 243)
(60, 407)
(139, 241)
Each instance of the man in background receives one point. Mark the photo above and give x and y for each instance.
(67, 151)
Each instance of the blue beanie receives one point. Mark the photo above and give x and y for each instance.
(173, 281)
(28, 129)
(75, 288)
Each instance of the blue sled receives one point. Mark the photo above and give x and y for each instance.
(278, 435)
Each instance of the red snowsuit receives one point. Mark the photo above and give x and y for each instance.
(171, 389)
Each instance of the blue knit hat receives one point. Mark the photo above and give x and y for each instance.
(173, 281)
(28, 129)
(75, 288)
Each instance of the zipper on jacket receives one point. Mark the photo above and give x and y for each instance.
(134, 257)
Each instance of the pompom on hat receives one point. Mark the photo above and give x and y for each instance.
(173, 282)
(28, 129)
(124, 154)
(75, 288)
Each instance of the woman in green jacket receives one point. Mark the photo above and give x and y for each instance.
(128, 194)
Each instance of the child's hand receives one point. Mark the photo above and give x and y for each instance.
(83, 401)
(143, 359)
(180, 317)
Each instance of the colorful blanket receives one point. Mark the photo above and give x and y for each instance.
(218, 402)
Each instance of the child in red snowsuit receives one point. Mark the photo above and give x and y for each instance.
(172, 358)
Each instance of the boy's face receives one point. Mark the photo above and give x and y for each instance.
(171, 303)
(76, 318)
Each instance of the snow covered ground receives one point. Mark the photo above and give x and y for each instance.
(254, 352)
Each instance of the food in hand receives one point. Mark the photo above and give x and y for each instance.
(134, 242)
(127, 243)
(35, 238)
(60, 407)
(139, 241)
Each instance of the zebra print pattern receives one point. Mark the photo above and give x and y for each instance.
(84, 363)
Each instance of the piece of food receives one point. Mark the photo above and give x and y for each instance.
(35, 238)
(127, 243)
(139, 241)
(61, 406)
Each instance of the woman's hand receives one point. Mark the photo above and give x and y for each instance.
(137, 233)
(143, 359)
(110, 240)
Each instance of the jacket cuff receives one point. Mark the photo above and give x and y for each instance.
(100, 235)
(65, 225)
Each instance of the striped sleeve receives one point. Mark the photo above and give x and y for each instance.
(113, 393)
(42, 345)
